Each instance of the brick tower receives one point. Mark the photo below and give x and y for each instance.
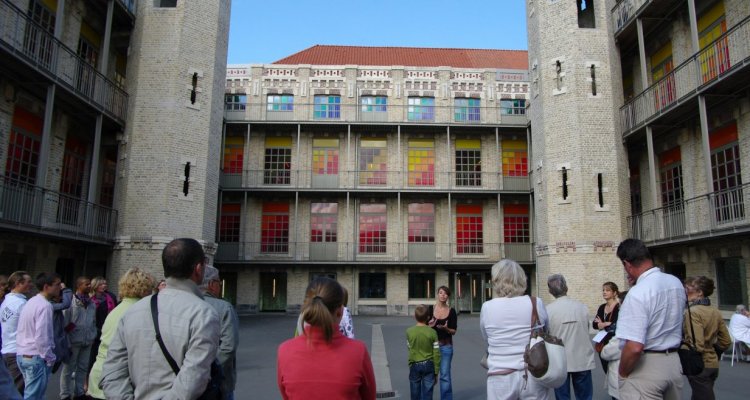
(170, 150)
(579, 163)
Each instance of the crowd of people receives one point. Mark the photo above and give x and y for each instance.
(107, 349)
(177, 339)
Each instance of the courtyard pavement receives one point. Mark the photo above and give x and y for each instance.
(261, 334)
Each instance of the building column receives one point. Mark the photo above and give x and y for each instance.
(649, 130)
(44, 150)
(702, 111)
(104, 55)
(95, 153)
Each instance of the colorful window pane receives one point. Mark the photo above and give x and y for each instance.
(670, 172)
(234, 153)
(467, 110)
(277, 164)
(235, 102)
(421, 109)
(373, 162)
(468, 162)
(516, 228)
(421, 162)
(374, 103)
(727, 177)
(421, 223)
(515, 158)
(274, 228)
(324, 222)
(23, 147)
(714, 58)
(513, 106)
(325, 157)
(280, 102)
(661, 67)
(469, 229)
(327, 107)
(229, 222)
(372, 228)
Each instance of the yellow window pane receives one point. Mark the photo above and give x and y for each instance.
(468, 144)
(325, 142)
(284, 141)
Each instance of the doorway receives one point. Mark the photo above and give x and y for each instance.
(470, 291)
(273, 291)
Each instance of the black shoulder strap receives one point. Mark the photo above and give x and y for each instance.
(692, 331)
(155, 317)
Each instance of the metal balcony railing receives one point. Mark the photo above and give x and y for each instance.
(32, 208)
(712, 214)
(388, 252)
(373, 180)
(726, 54)
(625, 11)
(305, 112)
(36, 46)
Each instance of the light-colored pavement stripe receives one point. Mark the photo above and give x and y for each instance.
(380, 364)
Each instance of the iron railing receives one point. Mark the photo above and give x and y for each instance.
(391, 113)
(724, 55)
(374, 180)
(40, 50)
(33, 208)
(388, 252)
(712, 214)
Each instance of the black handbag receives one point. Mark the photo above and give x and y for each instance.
(690, 358)
(213, 389)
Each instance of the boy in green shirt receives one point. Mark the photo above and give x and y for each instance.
(424, 356)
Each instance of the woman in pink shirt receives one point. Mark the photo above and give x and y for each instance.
(322, 363)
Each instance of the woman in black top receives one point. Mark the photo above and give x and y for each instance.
(606, 316)
(445, 322)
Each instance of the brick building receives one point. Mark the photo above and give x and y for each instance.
(393, 170)
(110, 130)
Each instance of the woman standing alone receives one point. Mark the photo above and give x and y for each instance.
(445, 322)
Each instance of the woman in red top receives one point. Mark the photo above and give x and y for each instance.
(322, 363)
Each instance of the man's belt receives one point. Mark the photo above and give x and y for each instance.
(666, 351)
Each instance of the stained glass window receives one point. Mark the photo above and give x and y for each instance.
(235, 102)
(421, 109)
(421, 162)
(229, 223)
(327, 107)
(374, 103)
(274, 228)
(324, 222)
(372, 228)
(467, 110)
(280, 102)
(727, 177)
(469, 229)
(23, 147)
(516, 223)
(234, 149)
(373, 161)
(515, 158)
(325, 158)
(421, 223)
(277, 164)
(513, 106)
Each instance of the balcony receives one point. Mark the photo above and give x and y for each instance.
(430, 253)
(34, 209)
(624, 12)
(712, 215)
(704, 72)
(383, 114)
(374, 181)
(38, 50)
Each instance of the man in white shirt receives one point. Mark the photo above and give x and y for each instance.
(20, 284)
(649, 328)
(739, 327)
(569, 320)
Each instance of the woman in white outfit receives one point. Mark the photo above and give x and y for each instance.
(505, 323)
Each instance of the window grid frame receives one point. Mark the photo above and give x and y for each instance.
(22, 156)
(277, 103)
(373, 104)
(274, 231)
(373, 229)
(472, 224)
(277, 166)
(420, 108)
(330, 109)
(421, 165)
(467, 109)
(422, 224)
(326, 223)
(469, 167)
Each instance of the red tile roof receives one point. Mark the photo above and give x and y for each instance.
(409, 57)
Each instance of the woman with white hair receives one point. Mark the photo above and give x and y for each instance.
(739, 327)
(505, 323)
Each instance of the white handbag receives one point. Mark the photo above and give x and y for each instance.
(545, 355)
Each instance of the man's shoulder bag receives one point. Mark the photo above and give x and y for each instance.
(213, 389)
(690, 358)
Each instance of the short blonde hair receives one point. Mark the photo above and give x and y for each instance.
(136, 283)
(508, 279)
(95, 282)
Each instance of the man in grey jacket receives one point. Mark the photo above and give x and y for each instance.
(569, 320)
(80, 325)
(136, 366)
(230, 336)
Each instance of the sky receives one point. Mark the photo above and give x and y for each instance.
(266, 31)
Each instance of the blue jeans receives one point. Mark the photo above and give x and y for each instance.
(446, 355)
(35, 374)
(421, 380)
(582, 386)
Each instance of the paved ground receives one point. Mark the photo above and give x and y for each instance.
(261, 334)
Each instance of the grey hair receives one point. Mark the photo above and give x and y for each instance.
(508, 279)
(210, 273)
(740, 308)
(557, 285)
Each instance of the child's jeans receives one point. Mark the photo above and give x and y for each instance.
(421, 379)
